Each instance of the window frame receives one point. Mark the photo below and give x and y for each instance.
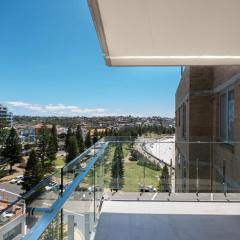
(184, 120)
(226, 91)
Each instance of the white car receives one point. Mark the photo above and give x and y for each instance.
(7, 214)
(97, 189)
(51, 186)
(19, 177)
(19, 182)
(16, 179)
(148, 189)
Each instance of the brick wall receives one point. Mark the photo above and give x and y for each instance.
(199, 88)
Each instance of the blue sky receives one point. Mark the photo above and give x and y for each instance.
(51, 64)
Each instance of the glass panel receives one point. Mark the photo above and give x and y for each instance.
(99, 185)
(129, 169)
(78, 211)
(56, 230)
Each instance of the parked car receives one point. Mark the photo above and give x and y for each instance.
(97, 189)
(19, 182)
(51, 186)
(147, 189)
(19, 177)
(7, 214)
(16, 179)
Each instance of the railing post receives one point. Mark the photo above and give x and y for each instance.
(224, 178)
(197, 180)
(61, 230)
(61, 186)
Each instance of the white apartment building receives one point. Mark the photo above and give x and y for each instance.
(5, 115)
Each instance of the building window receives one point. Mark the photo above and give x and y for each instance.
(227, 115)
(231, 115)
(224, 171)
(178, 157)
(184, 121)
(179, 160)
(184, 174)
(178, 116)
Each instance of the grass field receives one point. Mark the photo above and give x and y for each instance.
(134, 177)
(133, 173)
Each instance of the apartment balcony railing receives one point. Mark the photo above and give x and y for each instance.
(68, 203)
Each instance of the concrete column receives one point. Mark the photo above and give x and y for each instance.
(70, 227)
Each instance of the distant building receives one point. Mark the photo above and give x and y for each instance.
(5, 115)
(27, 134)
(39, 127)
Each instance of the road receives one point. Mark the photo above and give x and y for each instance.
(160, 151)
(163, 149)
(14, 188)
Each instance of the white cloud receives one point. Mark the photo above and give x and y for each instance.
(19, 107)
(18, 104)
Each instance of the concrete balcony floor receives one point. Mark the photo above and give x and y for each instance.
(130, 220)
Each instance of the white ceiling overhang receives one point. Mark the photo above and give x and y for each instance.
(168, 32)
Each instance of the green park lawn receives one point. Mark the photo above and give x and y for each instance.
(134, 177)
(133, 173)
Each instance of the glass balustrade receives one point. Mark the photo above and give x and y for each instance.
(67, 204)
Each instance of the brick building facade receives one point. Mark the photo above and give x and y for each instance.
(208, 129)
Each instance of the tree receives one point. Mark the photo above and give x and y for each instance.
(51, 154)
(68, 136)
(33, 172)
(140, 131)
(88, 141)
(117, 171)
(55, 137)
(134, 155)
(164, 180)
(42, 148)
(3, 123)
(95, 136)
(106, 132)
(80, 139)
(101, 134)
(72, 150)
(12, 149)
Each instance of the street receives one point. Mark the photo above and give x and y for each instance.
(14, 188)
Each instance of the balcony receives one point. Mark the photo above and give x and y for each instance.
(137, 188)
